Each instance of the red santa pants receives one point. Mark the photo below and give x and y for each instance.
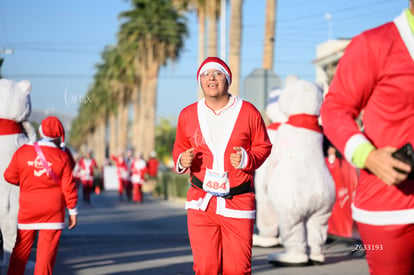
(220, 245)
(47, 246)
(120, 186)
(137, 192)
(87, 186)
(389, 249)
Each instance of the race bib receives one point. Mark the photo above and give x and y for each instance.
(216, 183)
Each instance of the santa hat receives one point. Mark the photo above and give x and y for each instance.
(214, 63)
(51, 128)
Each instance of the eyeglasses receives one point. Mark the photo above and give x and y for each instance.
(217, 75)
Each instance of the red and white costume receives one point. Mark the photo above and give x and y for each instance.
(376, 74)
(123, 175)
(77, 172)
(221, 229)
(152, 166)
(87, 166)
(42, 203)
(138, 171)
(345, 177)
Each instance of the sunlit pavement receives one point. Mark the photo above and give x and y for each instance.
(120, 237)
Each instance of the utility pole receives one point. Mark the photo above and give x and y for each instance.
(223, 29)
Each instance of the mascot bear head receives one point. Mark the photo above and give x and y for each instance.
(15, 101)
(301, 97)
(15, 104)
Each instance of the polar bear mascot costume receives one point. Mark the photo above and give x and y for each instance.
(301, 188)
(267, 225)
(15, 130)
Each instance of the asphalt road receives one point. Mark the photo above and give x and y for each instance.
(119, 237)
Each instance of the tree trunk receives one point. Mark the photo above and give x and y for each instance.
(101, 146)
(136, 121)
(212, 27)
(113, 135)
(122, 138)
(150, 116)
(201, 41)
(270, 35)
(235, 44)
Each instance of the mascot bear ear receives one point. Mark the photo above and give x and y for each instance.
(291, 79)
(25, 86)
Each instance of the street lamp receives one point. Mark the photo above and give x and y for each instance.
(328, 17)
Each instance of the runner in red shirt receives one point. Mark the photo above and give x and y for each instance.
(44, 173)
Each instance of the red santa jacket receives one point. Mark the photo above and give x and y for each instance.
(375, 74)
(152, 166)
(138, 170)
(87, 166)
(121, 167)
(247, 130)
(42, 200)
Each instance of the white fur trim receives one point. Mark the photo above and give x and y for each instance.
(218, 153)
(352, 144)
(35, 226)
(232, 213)
(179, 168)
(73, 211)
(45, 142)
(407, 36)
(202, 203)
(214, 66)
(244, 159)
(392, 217)
(44, 136)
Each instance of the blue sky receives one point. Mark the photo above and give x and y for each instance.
(58, 43)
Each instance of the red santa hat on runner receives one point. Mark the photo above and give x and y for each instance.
(214, 63)
(51, 129)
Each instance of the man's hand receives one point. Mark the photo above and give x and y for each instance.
(72, 221)
(381, 163)
(187, 158)
(235, 158)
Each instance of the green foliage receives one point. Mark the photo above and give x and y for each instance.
(164, 140)
(172, 185)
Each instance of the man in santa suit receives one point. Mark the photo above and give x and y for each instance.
(138, 171)
(376, 75)
(152, 165)
(44, 173)
(220, 141)
(122, 174)
(87, 166)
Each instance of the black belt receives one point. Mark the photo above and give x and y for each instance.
(234, 191)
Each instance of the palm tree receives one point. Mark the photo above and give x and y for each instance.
(121, 82)
(235, 44)
(110, 94)
(200, 7)
(213, 10)
(155, 32)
